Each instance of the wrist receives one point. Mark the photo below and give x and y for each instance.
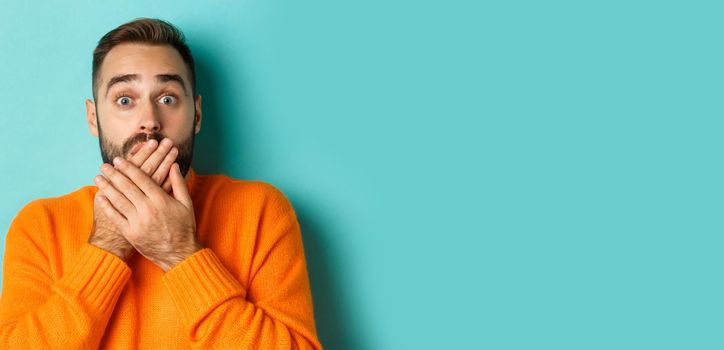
(175, 258)
(123, 250)
(123, 254)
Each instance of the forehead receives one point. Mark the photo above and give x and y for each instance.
(142, 59)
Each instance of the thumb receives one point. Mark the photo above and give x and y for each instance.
(178, 184)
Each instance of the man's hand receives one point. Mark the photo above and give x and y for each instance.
(105, 234)
(160, 226)
(156, 161)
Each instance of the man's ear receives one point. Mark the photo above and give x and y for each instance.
(90, 116)
(197, 117)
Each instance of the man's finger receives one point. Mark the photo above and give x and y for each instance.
(140, 157)
(167, 185)
(155, 159)
(115, 197)
(140, 180)
(112, 213)
(124, 184)
(162, 172)
(178, 183)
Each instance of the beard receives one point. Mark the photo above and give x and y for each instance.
(109, 150)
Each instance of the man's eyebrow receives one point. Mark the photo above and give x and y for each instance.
(161, 78)
(120, 78)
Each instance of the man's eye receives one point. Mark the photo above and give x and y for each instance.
(123, 101)
(167, 99)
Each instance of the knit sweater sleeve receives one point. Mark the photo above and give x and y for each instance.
(276, 310)
(40, 312)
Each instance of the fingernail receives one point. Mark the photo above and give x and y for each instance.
(117, 161)
(151, 143)
(166, 142)
(106, 167)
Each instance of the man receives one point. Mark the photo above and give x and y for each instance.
(154, 256)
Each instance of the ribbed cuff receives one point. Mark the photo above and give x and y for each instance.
(98, 277)
(199, 284)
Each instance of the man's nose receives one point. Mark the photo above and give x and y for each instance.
(149, 119)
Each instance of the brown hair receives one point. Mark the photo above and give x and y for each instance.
(143, 30)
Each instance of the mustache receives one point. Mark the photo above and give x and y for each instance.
(138, 138)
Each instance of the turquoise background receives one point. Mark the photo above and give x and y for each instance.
(468, 174)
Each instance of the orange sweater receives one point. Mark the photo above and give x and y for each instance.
(247, 289)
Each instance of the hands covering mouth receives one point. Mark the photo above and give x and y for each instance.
(143, 205)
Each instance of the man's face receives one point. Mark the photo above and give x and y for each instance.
(144, 92)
